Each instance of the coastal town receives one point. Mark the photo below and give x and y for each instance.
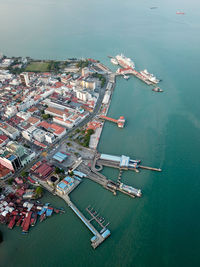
(51, 117)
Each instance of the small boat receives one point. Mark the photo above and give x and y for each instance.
(157, 89)
(42, 217)
(180, 13)
(153, 7)
(19, 221)
(33, 219)
(126, 77)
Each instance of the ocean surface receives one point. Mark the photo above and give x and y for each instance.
(161, 228)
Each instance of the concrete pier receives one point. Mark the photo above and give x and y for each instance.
(97, 238)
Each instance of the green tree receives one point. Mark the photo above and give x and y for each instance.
(71, 173)
(24, 174)
(39, 191)
(46, 116)
(57, 170)
(10, 181)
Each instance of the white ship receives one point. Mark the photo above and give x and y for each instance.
(131, 190)
(149, 76)
(125, 61)
(114, 61)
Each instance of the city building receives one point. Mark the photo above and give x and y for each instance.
(9, 130)
(24, 77)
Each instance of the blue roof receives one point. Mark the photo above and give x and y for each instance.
(59, 156)
(12, 157)
(110, 157)
(106, 233)
(62, 185)
(80, 174)
(124, 161)
(68, 179)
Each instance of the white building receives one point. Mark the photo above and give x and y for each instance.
(24, 78)
(24, 115)
(49, 138)
(10, 131)
(82, 95)
(39, 135)
(10, 111)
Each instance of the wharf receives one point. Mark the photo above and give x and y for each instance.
(98, 238)
(131, 71)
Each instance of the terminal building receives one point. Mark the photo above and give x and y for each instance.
(60, 157)
(123, 161)
(65, 185)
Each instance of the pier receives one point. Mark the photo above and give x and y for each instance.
(150, 168)
(98, 238)
(121, 163)
(132, 71)
(120, 122)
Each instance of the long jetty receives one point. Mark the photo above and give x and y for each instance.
(98, 238)
(150, 168)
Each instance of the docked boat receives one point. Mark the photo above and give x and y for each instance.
(125, 61)
(19, 221)
(42, 217)
(149, 76)
(33, 219)
(131, 190)
(157, 89)
(12, 222)
(27, 222)
(126, 77)
(114, 61)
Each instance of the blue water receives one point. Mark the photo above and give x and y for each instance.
(161, 228)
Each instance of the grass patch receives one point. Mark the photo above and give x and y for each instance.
(38, 66)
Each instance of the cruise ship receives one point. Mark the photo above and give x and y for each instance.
(125, 61)
(149, 76)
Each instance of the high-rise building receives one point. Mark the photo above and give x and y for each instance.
(24, 79)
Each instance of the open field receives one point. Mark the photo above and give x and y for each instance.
(38, 66)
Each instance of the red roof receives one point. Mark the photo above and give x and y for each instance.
(58, 84)
(3, 137)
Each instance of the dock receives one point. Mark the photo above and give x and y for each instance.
(98, 238)
(131, 71)
(150, 168)
(120, 122)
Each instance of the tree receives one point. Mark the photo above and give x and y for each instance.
(10, 181)
(24, 174)
(46, 116)
(58, 170)
(39, 191)
(71, 173)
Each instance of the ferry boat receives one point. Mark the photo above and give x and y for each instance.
(149, 76)
(157, 89)
(180, 13)
(114, 61)
(125, 61)
(131, 190)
